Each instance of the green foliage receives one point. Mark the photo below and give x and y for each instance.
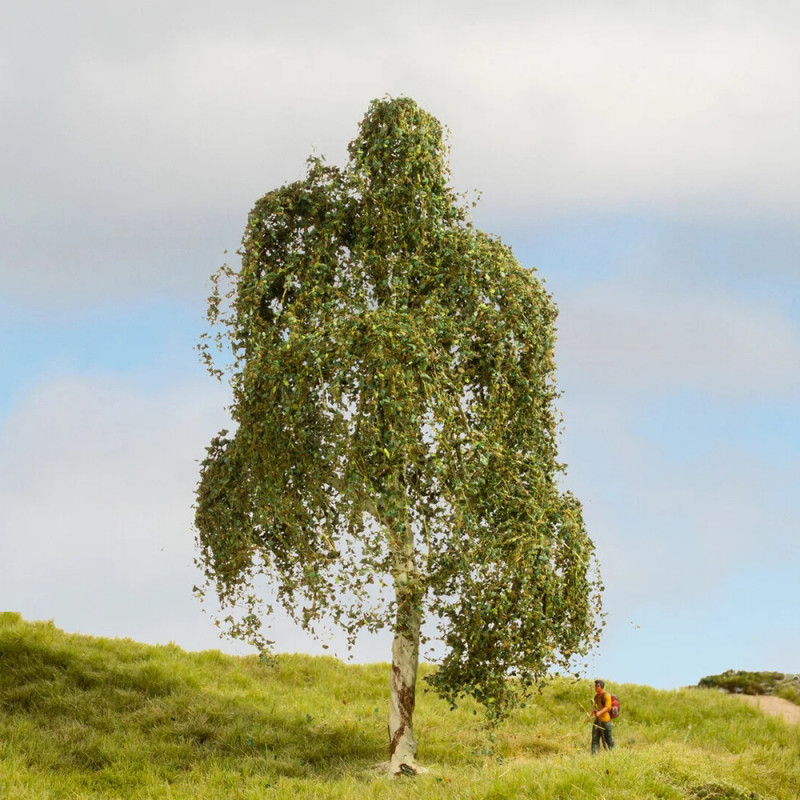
(99, 718)
(393, 396)
(758, 683)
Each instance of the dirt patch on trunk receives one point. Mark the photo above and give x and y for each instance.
(777, 706)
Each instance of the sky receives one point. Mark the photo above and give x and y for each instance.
(641, 157)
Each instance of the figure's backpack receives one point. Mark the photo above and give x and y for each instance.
(614, 707)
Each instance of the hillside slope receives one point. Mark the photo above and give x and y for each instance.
(88, 717)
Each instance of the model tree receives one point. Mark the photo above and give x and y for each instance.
(394, 456)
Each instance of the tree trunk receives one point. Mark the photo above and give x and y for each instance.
(405, 655)
(405, 659)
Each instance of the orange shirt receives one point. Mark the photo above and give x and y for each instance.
(602, 702)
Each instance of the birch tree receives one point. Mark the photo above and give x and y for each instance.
(393, 458)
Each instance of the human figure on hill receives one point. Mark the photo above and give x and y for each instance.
(601, 718)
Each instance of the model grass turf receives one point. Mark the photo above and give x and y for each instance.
(86, 717)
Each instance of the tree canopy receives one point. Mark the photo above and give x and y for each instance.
(394, 423)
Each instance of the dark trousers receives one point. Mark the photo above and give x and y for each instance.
(601, 732)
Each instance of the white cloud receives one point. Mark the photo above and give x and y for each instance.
(97, 478)
(608, 107)
(126, 126)
(617, 337)
(595, 107)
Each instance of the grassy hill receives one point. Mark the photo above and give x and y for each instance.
(86, 717)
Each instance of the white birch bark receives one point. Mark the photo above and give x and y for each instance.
(405, 659)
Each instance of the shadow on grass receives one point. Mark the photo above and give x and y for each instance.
(87, 707)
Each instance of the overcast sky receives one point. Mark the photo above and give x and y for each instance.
(642, 157)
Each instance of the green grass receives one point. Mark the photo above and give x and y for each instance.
(85, 717)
